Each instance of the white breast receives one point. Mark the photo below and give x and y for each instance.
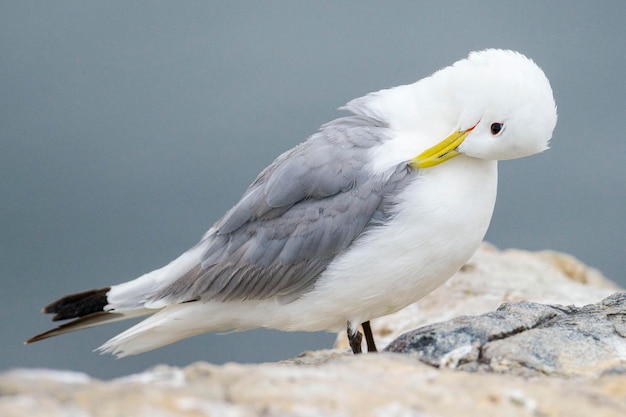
(442, 218)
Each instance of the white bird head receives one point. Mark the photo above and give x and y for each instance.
(504, 108)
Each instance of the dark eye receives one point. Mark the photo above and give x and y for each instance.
(496, 128)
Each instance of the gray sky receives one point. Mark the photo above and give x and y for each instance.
(127, 128)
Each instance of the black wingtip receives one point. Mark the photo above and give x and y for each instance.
(89, 320)
(78, 305)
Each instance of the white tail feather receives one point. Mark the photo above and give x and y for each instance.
(168, 325)
(136, 294)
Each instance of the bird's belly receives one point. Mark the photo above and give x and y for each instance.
(442, 218)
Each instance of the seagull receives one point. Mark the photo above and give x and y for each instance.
(368, 215)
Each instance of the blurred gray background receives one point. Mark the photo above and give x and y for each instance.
(127, 128)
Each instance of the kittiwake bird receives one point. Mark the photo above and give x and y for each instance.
(368, 215)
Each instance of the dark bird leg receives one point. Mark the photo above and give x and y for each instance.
(369, 337)
(355, 340)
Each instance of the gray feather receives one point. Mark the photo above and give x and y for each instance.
(302, 211)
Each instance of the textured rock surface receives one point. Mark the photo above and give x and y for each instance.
(525, 338)
(327, 384)
(336, 383)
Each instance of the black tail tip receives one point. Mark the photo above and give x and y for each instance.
(78, 305)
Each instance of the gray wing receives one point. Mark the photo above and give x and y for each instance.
(304, 209)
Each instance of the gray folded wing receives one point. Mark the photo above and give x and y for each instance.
(304, 209)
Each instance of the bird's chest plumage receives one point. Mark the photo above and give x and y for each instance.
(441, 219)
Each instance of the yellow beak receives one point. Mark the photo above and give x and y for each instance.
(441, 152)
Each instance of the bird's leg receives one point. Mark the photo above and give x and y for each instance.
(369, 337)
(355, 338)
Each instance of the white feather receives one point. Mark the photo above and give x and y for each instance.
(137, 293)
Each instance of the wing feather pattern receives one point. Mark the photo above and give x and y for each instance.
(304, 209)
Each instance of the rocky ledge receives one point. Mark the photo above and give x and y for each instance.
(514, 333)
(527, 339)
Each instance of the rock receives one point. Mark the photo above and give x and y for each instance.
(524, 338)
(574, 269)
(492, 277)
(332, 383)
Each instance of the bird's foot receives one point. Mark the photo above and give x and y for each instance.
(369, 337)
(355, 338)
